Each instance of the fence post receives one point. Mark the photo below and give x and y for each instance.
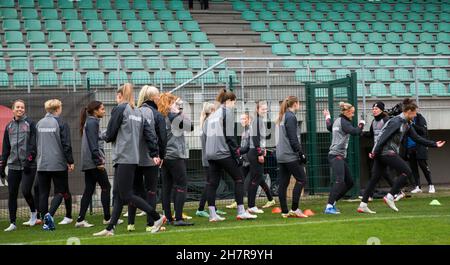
(29, 71)
(202, 57)
(416, 82)
(242, 85)
(364, 91)
(227, 78)
(88, 84)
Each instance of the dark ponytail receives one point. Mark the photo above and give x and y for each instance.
(409, 104)
(89, 109)
(225, 95)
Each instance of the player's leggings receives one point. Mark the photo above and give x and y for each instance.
(415, 163)
(15, 177)
(174, 178)
(343, 179)
(91, 178)
(230, 166)
(145, 184)
(256, 178)
(297, 170)
(123, 189)
(393, 161)
(61, 191)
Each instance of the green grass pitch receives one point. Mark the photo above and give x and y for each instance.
(416, 223)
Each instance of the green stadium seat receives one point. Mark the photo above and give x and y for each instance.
(354, 49)
(413, 27)
(303, 75)
(405, 62)
(74, 25)
(22, 79)
(396, 27)
(402, 75)
(134, 25)
(439, 89)
(266, 15)
(390, 49)
(96, 78)
(153, 26)
(209, 46)
(133, 64)
(126, 49)
(399, 90)
(86, 4)
(366, 74)
(47, 78)
(305, 6)
(30, 13)
(293, 26)
(183, 15)
(324, 75)
(140, 37)
(439, 74)
(378, 90)
(119, 37)
(65, 63)
(11, 24)
(26, 3)
(188, 46)
(196, 63)
(225, 75)
(147, 15)
(84, 46)
(63, 4)
(362, 91)
(426, 37)
(341, 37)
(158, 4)
(431, 8)
(368, 17)
(8, 13)
(305, 37)
(408, 49)
(49, 14)
(380, 27)
(176, 64)
(256, 6)
(346, 26)
(442, 48)
(165, 15)
(323, 7)
(89, 14)
(207, 78)
(199, 37)
(168, 46)
(362, 27)
(176, 5)
(13, 37)
(191, 26)
(400, 7)
(392, 37)
(331, 63)
(287, 6)
(399, 17)
(17, 46)
(280, 49)
(334, 16)
(416, 7)
(45, 4)
(421, 89)
(239, 6)
(99, 37)
(386, 62)
(53, 25)
(69, 14)
(155, 63)
(127, 15)
(385, 7)
(32, 24)
(88, 63)
(111, 63)
(311, 26)
(122, 4)
(258, 26)
(323, 37)
(160, 37)
(19, 64)
(78, 37)
(163, 77)
(442, 27)
(425, 49)
(117, 77)
(317, 16)
(341, 73)
(409, 37)
(180, 37)
(372, 49)
(317, 49)
(383, 75)
(172, 26)
(277, 26)
(62, 46)
(4, 79)
(354, 8)
(422, 74)
(114, 25)
(358, 37)
(106, 4)
(336, 49)
(350, 63)
(299, 49)
(329, 26)
(376, 37)
(283, 16)
(94, 25)
(287, 37)
(147, 46)
(71, 78)
(36, 37)
(42, 64)
(338, 6)
(108, 14)
(300, 16)
(2, 65)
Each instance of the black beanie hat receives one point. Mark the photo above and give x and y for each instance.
(379, 104)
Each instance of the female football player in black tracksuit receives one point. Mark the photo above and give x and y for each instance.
(386, 152)
(125, 129)
(19, 154)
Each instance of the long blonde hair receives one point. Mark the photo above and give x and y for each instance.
(345, 106)
(166, 100)
(127, 93)
(208, 108)
(287, 103)
(146, 93)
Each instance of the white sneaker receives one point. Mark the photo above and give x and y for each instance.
(364, 209)
(83, 224)
(10, 228)
(106, 222)
(125, 214)
(246, 216)
(297, 213)
(255, 210)
(416, 190)
(158, 224)
(399, 196)
(269, 204)
(104, 233)
(32, 221)
(389, 200)
(431, 189)
(66, 221)
(233, 205)
(141, 214)
(218, 218)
